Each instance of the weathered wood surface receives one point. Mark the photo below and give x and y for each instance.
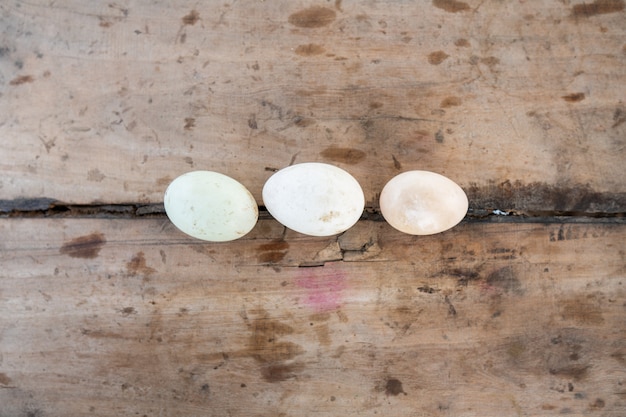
(521, 102)
(130, 317)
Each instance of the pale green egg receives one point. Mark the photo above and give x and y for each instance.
(210, 206)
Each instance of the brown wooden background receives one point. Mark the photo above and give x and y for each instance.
(106, 309)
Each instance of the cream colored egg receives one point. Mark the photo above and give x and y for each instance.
(210, 206)
(314, 198)
(422, 203)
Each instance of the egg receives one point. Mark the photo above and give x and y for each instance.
(210, 206)
(422, 203)
(313, 198)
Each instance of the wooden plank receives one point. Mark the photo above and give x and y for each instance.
(519, 102)
(130, 317)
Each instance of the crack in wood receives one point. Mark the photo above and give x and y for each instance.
(50, 208)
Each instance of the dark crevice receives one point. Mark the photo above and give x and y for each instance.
(48, 208)
(37, 208)
(543, 216)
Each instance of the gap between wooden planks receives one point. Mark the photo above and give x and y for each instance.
(124, 317)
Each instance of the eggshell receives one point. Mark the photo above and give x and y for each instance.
(210, 206)
(314, 198)
(422, 203)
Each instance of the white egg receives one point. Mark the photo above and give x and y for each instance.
(422, 203)
(314, 198)
(210, 206)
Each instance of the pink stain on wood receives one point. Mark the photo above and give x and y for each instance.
(323, 287)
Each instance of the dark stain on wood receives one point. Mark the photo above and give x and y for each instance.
(310, 49)
(191, 18)
(137, 265)
(451, 308)
(280, 372)
(303, 121)
(539, 196)
(583, 309)
(619, 357)
(402, 318)
(575, 372)
(272, 252)
(22, 79)
(567, 232)
(439, 137)
(338, 352)
(452, 6)
(313, 17)
(506, 280)
(30, 411)
(396, 164)
(264, 344)
(95, 175)
(252, 123)
(619, 116)
(4, 379)
(323, 335)
(394, 387)
(190, 123)
(574, 97)
(462, 43)
(163, 181)
(87, 247)
(450, 102)
(373, 129)
(101, 334)
(560, 235)
(127, 311)
(516, 349)
(598, 404)
(597, 7)
(503, 253)
(490, 61)
(565, 356)
(427, 289)
(463, 275)
(320, 317)
(311, 93)
(349, 156)
(437, 57)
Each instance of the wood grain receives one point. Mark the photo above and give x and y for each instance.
(130, 317)
(102, 104)
(520, 102)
